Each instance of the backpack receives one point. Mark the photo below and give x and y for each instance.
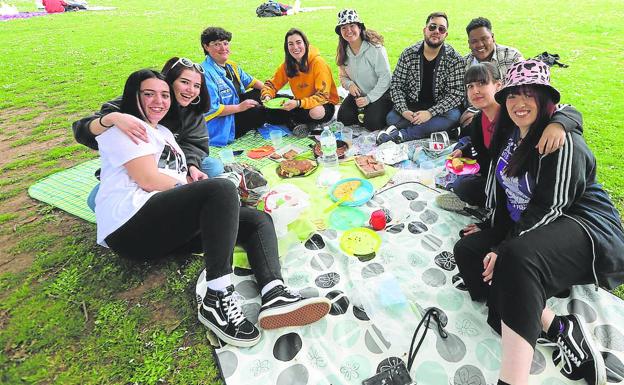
(550, 59)
(269, 9)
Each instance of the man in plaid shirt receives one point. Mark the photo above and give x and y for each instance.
(483, 48)
(427, 86)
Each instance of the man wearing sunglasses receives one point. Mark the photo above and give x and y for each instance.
(427, 86)
(234, 95)
(483, 48)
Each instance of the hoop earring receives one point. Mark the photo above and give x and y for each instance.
(197, 102)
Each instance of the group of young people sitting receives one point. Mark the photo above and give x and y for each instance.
(551, 224)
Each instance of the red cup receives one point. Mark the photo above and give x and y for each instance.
(378, 220)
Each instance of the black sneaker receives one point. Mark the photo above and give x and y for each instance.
(282, 307)
(221, 313)
(579, 352)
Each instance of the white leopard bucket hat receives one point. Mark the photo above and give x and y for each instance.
(348, 16)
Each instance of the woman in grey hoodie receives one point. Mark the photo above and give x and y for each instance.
(364, 72)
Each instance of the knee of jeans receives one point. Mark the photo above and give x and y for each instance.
(453, 114)
(212, 166)
(460, 251)
(393, 117)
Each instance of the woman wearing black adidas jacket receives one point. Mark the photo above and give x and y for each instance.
(552, 226)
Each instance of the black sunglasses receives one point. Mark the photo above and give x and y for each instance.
(433, 26)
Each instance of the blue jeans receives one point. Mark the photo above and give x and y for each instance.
(210, 166)
(444, 122)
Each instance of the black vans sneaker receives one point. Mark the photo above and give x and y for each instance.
(579, 351)
(222, 314)
(282, 307)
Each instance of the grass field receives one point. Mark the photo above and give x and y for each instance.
(73, 313)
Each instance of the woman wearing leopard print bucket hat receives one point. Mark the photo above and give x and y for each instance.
(552, 226)
(364, 72)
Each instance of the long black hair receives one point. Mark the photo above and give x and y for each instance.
(130, 100)
(172, 73)
(366, 34)
(525, 158)
(292, 66)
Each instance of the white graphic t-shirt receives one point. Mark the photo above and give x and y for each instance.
(119, 197)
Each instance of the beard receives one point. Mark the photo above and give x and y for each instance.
(434, 44)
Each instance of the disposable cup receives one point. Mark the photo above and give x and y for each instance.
(427, 173)
(347, 135)
(226, 155)
(276, 138)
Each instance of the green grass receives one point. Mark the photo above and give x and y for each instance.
(70, 316)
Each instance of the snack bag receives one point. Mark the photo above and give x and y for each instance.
(252, 183)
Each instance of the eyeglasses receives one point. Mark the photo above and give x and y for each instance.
(433, 26)
(189, 63)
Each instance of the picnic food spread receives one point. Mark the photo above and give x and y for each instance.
(369, 166)
(296, 167)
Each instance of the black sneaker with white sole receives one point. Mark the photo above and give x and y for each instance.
(222, 314)
(579, 351)
(282, 307)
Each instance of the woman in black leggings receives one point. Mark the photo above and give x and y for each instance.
(146, 208)
(552, 226)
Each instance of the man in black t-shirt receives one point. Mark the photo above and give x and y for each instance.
(427, 86)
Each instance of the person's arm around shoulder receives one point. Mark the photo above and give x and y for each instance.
(82, 128)
(565, 119)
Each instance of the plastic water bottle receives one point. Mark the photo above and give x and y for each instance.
(328, 148)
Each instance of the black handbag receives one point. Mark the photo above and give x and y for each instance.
(398, 373)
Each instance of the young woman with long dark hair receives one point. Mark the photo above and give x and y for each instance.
(148, 208)
(310, 80)
(364, 71)
(552, 226)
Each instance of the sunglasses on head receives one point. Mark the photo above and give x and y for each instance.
(433, 26)
(189, 63)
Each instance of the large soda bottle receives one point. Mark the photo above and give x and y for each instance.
(328, 148)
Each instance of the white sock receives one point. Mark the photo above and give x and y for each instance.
(220, 284)
(265, 289)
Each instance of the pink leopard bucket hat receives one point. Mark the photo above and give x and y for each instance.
(527, 72)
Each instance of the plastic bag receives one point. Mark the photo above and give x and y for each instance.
(252, 183)
(284, 203)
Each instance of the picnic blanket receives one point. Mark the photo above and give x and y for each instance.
(377, 303)
(68, 189)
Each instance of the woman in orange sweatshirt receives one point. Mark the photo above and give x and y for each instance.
(310, 80)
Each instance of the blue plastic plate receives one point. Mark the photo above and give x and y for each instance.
(360, 196)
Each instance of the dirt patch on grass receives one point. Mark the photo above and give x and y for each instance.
(152, 281)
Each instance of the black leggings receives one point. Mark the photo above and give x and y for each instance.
(530, 269)
(201, 216)
(374, 113)
(299, 115)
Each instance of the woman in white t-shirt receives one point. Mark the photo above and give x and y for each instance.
(146, 209)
